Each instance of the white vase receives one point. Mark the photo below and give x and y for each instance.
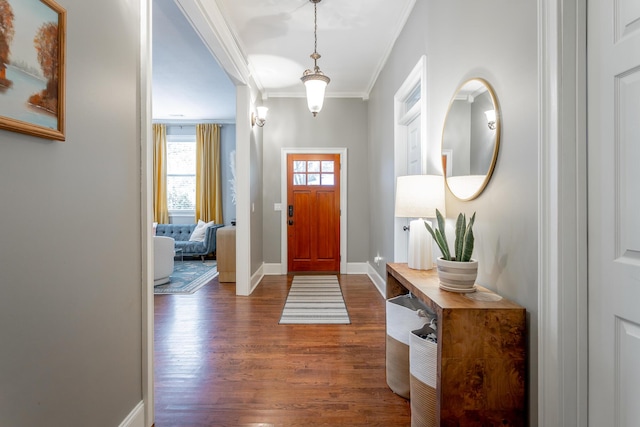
(457, 276)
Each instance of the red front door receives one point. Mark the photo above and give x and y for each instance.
(313, 212)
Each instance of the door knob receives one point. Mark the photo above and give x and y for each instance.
(290, 222)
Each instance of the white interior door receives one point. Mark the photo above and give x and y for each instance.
(414, 148)
(614, 212)
(413, 167)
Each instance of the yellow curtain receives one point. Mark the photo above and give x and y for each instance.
(208, 185)
(160, 209)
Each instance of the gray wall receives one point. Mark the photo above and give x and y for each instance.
(256, 182)
(495, 40)
(70, 252)
(341, 123)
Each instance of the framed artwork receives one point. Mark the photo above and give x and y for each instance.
(32, 67)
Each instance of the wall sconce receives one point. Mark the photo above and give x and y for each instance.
(261, 118)
(491, 119)
(418, 196)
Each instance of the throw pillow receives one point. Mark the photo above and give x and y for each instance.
(199, 231)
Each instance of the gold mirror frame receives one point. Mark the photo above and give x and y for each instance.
(458, 133)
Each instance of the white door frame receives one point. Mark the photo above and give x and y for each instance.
(343, 202)
(562, 223)
(146, 203)
(402, 119)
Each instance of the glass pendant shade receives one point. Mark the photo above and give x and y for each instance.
(314, 80)
(315, 84)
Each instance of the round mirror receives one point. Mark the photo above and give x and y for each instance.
(470, 139)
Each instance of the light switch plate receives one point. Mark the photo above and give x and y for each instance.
(277, 206)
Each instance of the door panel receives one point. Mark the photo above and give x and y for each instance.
(414, 148)
(326, 243)
(613, 42)
(313, 231)
(302, 215)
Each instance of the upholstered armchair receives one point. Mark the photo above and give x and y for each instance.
(163, 253)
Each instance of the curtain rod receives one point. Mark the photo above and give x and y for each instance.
(193, 122)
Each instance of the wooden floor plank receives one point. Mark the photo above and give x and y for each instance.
(222, 360)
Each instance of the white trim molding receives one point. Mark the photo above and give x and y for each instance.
(402, 119)
(136, 417)
(343, 201)
(276, 269)
(404, 16)
(272, 269)
(143, 414)
(379, 282)
(256, 278)
(562, 249)
(208, 21)
(357, 268)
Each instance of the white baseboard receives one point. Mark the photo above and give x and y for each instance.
(377, 280)
(135, 417)
(272, 269)
(357, 268)
(256, 278)
(276, 269)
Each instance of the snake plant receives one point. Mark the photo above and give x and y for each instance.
(464, 237)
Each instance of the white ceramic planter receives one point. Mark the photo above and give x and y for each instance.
(457, 276)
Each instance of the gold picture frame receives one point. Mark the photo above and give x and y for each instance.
(32, 67)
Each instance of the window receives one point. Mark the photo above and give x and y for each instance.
(181, 173)
(313, 172)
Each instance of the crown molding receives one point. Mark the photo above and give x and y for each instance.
(209, 23)
(383, 61)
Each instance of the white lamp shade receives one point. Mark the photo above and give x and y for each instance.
(418, 196)
(262, 112)
(315, 94)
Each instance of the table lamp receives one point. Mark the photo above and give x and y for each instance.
(418, 196)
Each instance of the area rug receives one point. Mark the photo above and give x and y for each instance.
(188, 277)
(315, 300)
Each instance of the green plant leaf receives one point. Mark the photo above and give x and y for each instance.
(461, 227)
(442, 244)
(471, 221)
(469, 240)
(429, 229)
(437, 237)
(443, 234)
(468, 246)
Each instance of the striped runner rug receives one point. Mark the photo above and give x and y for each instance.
(315, 300)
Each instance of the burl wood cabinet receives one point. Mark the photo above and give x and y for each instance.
(481, 351)
(226, 254)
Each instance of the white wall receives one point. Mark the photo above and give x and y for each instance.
(341, 123)
(497, 41)
(70, 251)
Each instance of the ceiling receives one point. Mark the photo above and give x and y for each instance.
(275, 39)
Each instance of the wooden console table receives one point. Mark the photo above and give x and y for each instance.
(481, 372)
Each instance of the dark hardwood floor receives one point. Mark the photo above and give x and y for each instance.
(222, 360)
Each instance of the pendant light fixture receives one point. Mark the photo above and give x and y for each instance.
(314, 80)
